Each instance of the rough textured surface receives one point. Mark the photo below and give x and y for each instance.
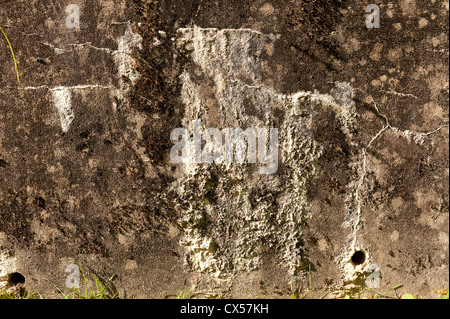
(362, 115)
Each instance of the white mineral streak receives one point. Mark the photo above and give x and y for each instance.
(62, 95)
(7, 266)
(241, 228)
(62, 99)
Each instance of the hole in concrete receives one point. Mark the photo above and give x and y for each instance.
(358, 258)
(41, 61)
(15, 278)
(3, 163)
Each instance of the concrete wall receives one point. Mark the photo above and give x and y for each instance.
(359, 197)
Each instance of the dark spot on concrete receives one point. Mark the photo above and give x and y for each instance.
(40, 202)
(3, 163)
(41, 61)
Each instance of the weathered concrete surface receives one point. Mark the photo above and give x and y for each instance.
(362, 115)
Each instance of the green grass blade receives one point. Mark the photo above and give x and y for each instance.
(394, 288)
(13, 55)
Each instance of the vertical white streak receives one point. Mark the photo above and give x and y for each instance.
(63, 101)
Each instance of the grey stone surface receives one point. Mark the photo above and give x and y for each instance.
(362, 115)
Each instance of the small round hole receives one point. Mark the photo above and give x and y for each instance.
(15, 278)
(358, 258)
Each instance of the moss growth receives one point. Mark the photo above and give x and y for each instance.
(22, 293)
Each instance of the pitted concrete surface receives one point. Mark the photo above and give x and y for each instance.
(360, 195)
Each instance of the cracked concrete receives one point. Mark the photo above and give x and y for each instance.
(363, 164)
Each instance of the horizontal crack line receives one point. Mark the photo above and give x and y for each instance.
(60, 88)
(400, 94)
(76, 46)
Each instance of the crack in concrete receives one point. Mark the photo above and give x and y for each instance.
(400, 94)
(354, 200)
(60, 88)
(418, 137)
(125, 68)
(225, 30)
(77, 46)
(360, 184)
